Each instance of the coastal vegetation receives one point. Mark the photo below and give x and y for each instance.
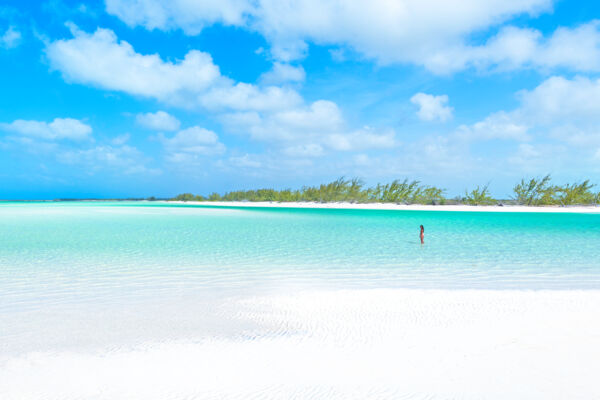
(531, 192)
(540, 191)
(479, 196)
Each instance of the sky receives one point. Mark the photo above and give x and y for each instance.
(138, 98)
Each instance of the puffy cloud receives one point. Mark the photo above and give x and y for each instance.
(432, 107)
(267, 113)
(402, 31)
(282, 73)
(190, 15)
(244, 96)
(557, 123)
(160, 121)
(190, 144)
(101, 60)
(10, 38)
(500, 125)
(566, 109)
(59, 128)
(318, 119)
(361, 139)
(123, 159)
(560, 99)
(307, 130)
(576, 49)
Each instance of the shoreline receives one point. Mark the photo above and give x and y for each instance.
(345, 344)
(400, 207)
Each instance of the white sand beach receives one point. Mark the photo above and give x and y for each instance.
(390, 206)
(347, 344)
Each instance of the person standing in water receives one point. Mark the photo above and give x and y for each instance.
(422, 235)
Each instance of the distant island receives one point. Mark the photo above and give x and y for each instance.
(528, 192)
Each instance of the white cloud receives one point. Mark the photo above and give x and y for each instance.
(500, 125)
(189, 15)
(432, 107)
(282, 73)
(122, 159)
(10, 38)
(362, 139)
(308, 130)
(59, 128)
(560, 99)
(558, 119)
(160, 121)
(577, 49)
(190, 144)
(402, 31)
(101, 60)
(318, 119)
(561, 108)
(244, 96)
(267, 113)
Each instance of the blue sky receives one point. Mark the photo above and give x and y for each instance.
(121, 98)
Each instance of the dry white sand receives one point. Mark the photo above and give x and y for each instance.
(390, 206)
(348, 344)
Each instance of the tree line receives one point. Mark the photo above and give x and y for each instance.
(531, 192)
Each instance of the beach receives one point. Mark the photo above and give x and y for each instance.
(405, 207)
(166, 301)
(379, 344)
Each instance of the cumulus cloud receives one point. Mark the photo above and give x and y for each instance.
(10, 38)
(308, 130)
(191, 16)
(267, 113)
(59, 128)
(159, 121)
(556, 123)
(244, 96)
(101, 60)
(403, 31)
(282, 73)
(189, 145)
(500, 125)
(432, 107)
(559, 98)
(123, 159)
(577, 49)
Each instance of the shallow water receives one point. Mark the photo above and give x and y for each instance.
(91, 246)
(89, 279)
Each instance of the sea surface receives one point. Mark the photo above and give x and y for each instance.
(102, 277)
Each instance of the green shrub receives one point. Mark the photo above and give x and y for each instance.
(479, 196)
(575, 193)
(536, 191)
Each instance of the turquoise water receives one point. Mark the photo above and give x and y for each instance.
(90, 250)
(95, 295)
